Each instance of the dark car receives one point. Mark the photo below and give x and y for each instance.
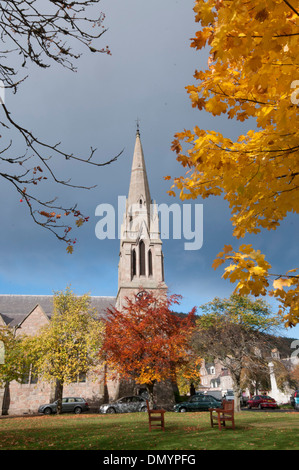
(129, 404)
(198, 403)
(261, 401)
(69, 405)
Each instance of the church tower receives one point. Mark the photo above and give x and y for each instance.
(141, 264)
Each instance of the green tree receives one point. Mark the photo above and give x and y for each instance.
(70, 344)
(11, 357)
(14, 359)
(233, 331)
(255, 375)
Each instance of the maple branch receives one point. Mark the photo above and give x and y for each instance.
(260, 196)
(240, 100)
(279, 276)
(256, 151)
(260, 36)
(292, 8)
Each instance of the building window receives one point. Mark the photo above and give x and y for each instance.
(29, 375)
(162, 267)
(142, 258)
(215, 383)
(133, 263)
(150, 263)
(80, 378)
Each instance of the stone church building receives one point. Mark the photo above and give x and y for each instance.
(141, 266)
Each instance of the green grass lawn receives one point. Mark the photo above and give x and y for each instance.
(184, 431)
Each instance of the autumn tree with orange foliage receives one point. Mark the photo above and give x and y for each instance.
(146, 341)
(252, 72)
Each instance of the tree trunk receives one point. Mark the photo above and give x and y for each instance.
(105, 385)
(236, 376)
(237, 397)
(6, 399)
(150, 391)
(58, 395)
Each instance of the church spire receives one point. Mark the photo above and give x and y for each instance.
(139, 193)
(137, 123)
(140, 257)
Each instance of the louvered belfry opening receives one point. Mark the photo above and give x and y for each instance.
(142, 258)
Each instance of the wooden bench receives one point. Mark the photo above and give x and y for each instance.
(155, 417)
(222, 415)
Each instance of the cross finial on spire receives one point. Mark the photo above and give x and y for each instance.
(137, 122)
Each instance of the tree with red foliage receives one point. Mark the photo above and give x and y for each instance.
(146, 341)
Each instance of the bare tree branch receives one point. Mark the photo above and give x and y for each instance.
(43, 32)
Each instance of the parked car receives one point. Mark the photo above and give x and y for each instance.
(229, 395)
(214, 393)
(69, 405)
(198, 403)
(295, 400)
(261, 401)
(244, 400)
(125, 405)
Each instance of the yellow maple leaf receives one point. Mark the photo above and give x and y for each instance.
(217, 262)
(279, 283)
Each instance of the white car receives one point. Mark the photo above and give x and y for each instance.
(125, 405)
(229, 395)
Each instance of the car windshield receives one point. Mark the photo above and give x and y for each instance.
(194, 398)
(122, 400)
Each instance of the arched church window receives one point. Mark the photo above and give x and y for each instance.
(133, 263)
(140, 202)
(142, 258)
(150, 263)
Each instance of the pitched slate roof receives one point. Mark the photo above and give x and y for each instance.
(14, 308)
